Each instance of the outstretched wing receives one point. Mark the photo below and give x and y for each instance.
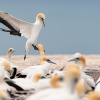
(15, 24)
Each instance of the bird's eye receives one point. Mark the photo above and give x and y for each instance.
(61, 78)
(78, 58)
(42, 19)
(10, 50)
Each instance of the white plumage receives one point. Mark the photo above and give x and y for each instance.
(97, 87)
(22, 28)
(86, 79)
(43, 69)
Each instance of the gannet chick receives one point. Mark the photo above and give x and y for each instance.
(9, 53)
(45, 66)
(94, 96)
(86, 79)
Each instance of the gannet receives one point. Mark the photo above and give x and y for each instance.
(63, 89)
(93, 96)
(21, 28)
(44, 67)
(9, 53)
(86, 79)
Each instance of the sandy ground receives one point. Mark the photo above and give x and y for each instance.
(92, 65)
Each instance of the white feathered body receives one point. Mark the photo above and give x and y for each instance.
(45, 67)
(97, 88)
(87, 81)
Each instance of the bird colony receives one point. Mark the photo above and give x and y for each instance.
(39, 82)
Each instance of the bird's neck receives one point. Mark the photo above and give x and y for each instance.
(69, 86)
(8, 56)
(81, 65)
(38, 22)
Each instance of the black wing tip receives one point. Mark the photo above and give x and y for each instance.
(13, 84)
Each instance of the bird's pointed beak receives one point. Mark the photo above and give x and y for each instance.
(43, 77)
(43, 22)
(13, 51)
(49, 61)
(73, 59)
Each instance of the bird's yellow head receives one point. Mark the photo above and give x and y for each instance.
(6, 65)
(4, 95)
(80, 88)
(41, 17)
(79, 59)
(41, 49)
(83, 60)
(72, 75)
(45, 59)
(10, 50)
(37, 77)
(73, 71)
(73, 66)
(93, 96)
(55, 81)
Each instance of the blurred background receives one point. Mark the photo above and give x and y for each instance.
(71, 25)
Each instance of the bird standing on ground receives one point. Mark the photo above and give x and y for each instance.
(62, 89)
(21, 28)
(7, 61)
(86, 79)
(44, 67)
(9, 53)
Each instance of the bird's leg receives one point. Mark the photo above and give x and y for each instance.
(35, 47)
(25, 55)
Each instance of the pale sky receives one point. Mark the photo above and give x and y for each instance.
(71, 25)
